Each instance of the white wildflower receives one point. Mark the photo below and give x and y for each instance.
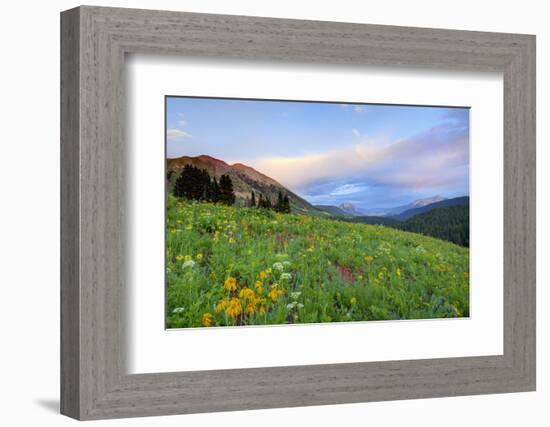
(178, 310)
(286, 276)
(189, 263)
(294, 304)
(278, 266)
(295, 295)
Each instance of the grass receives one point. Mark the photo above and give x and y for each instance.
(243, 266)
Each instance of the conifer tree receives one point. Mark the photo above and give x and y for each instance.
(252, 200)
(215, 191)
(261, 201)
(227, 195)
(279, 206)
(286, 204)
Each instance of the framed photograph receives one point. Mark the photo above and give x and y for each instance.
(262, 213)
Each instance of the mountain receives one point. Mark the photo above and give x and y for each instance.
(409, 213)
(334, 211)
(349, 208)
(245, 180)
(396, 210)
(414, 205)
(427, 201)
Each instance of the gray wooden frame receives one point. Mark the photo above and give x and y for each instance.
(94, 41)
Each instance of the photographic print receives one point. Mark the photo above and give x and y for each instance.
(293, 212)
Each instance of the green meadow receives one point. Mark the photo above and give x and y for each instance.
(229, 266)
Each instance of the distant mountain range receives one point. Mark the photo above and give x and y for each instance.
(409, 213)
(401, 213)
(447, 219)
(334, 211)
(396, 210)
(245, 180)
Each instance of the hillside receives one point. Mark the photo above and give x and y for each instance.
(451, 223)
(227, 265)
(245, 180)
(376, 220)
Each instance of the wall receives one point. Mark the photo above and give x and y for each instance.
(29, 226)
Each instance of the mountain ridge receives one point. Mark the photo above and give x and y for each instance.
(455, 201)
(396, 210)
(245, 180)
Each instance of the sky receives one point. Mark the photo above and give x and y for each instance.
(370, 155)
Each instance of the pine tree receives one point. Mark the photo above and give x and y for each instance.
(227, 195)
(183, 187)
(286, 204)
(279, 206)
(252, 200)
(215, 191)
(261, 201)
(204, 184)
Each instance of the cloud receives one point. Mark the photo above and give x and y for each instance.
(437, 158)
(356, 133)
(176, 134)
(347, 189)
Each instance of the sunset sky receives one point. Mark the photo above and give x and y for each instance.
(331, 153)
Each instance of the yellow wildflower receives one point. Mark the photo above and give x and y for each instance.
(222, 305)
(250, 309)
(234, 307)
(247, 293)
(207, 319)
(353, 301)
(180, 257)
(263, 274)
(368, 258)
(274, 294)
(231, 240)
(230, 284)
(199, 257)
(259, 286)
(398, 272)
(187, 257)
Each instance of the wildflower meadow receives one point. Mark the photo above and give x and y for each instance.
(236, 266)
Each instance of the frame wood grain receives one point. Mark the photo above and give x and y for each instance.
(94, 381)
